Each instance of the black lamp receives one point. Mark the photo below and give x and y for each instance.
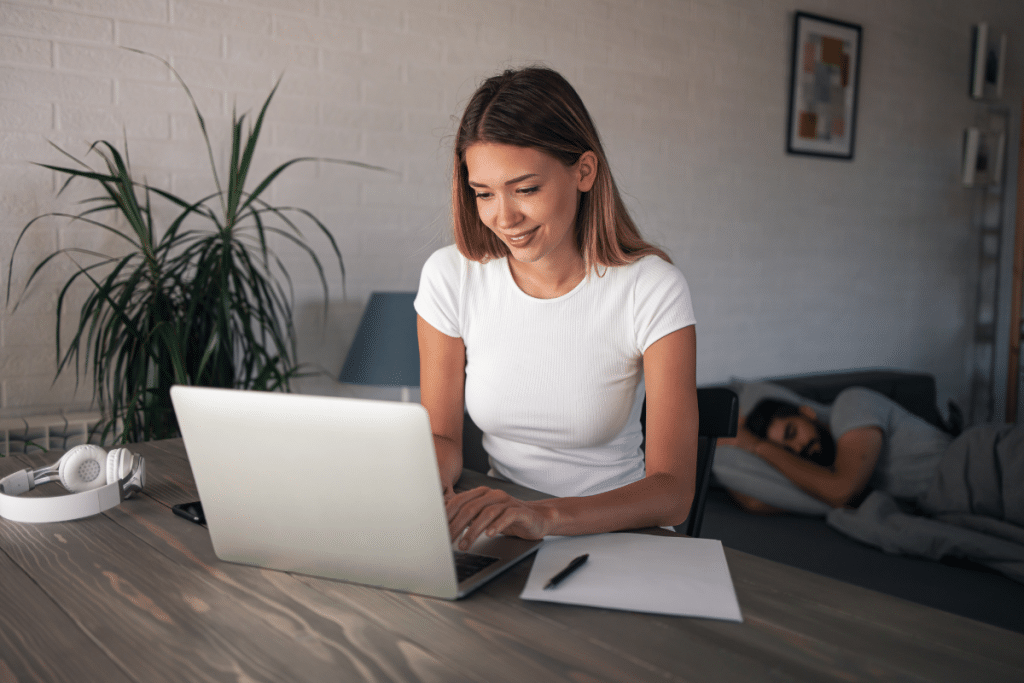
(385, 351)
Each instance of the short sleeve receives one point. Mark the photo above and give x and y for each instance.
(859, 407)
(437, 300)
(661, 301)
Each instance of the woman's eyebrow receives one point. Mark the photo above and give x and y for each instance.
(508, 182)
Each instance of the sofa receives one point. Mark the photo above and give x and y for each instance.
(808, 543)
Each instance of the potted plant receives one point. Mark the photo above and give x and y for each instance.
(202, 300)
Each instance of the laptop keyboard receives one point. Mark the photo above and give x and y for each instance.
(468, 564)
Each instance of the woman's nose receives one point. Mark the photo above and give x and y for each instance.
(507, 213)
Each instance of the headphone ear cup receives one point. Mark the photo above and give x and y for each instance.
(83, 468)
(119, 464)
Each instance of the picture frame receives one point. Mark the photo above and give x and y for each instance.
(984, 153)
(988, 60)
(824, 84)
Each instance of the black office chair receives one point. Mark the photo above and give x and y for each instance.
(719, 411)
(719, 416)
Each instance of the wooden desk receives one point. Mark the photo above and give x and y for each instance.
(136, 594)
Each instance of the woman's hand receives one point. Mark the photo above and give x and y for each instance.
(489, 511)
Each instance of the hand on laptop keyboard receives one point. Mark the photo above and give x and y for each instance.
(486, 511)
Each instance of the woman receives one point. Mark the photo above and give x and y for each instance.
(548, 318)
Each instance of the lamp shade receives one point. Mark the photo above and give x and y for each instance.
(385, 350)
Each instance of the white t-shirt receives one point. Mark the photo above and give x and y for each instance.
(556, 385)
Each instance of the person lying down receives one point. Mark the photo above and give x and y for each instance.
(835, 454)
(880, 474)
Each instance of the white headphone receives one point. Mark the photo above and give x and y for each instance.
(97, 480)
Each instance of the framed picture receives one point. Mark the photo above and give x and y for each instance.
(987, 63)
(823, 87)
(984, 152)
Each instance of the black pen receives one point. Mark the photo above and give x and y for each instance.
(561, 576)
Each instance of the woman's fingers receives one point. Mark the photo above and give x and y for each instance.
(520, 520)
(461, 508)
(476, 511)
(481, 521)
(490, 511)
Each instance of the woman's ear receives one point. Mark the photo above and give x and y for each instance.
(586, 166)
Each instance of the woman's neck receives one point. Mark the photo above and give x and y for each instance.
(548, 278)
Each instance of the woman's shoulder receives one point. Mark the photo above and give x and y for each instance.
(446, 258)
(442, 271)
(450, 259)
(447, 268)
(659, 296)
(446, 264)
(654, 263)
(653, 273)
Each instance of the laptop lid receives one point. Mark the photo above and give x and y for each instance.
(335, 487)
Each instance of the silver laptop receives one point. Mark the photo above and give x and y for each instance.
(334, 487)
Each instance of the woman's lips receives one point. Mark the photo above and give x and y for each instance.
(522, 238)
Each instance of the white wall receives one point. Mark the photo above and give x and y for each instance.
(796, 264)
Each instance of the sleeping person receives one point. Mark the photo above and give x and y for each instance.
(864, 441)
(880, 474)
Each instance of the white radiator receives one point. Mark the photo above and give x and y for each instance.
(38, 433)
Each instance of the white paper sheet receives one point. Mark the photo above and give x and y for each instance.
(639, 573)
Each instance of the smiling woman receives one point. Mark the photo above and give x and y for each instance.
(533, 212)
(551, 320)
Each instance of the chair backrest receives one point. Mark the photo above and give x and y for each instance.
(474, 457)
(719, 410)
(719, 416)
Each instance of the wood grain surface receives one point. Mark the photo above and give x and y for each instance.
(137, 594)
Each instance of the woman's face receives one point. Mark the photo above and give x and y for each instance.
(529, 198)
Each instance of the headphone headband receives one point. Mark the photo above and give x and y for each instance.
(68, 507)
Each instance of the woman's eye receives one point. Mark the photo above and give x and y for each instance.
(528, 190)
(483, 195)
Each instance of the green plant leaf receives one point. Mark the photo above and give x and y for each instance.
(199, 297)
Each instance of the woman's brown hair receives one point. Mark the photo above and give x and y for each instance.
(536, 107)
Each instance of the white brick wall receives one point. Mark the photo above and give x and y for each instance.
(796, 264)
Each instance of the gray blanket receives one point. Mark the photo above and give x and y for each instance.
(974, 508)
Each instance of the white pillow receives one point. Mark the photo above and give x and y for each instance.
(744, 472)
(739, 470)
(751, 393)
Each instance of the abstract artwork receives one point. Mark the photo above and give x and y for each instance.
(823, 87)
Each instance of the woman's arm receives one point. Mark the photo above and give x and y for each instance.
(662, 498)
(442, 391)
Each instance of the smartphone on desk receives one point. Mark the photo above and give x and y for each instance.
(193, 512)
